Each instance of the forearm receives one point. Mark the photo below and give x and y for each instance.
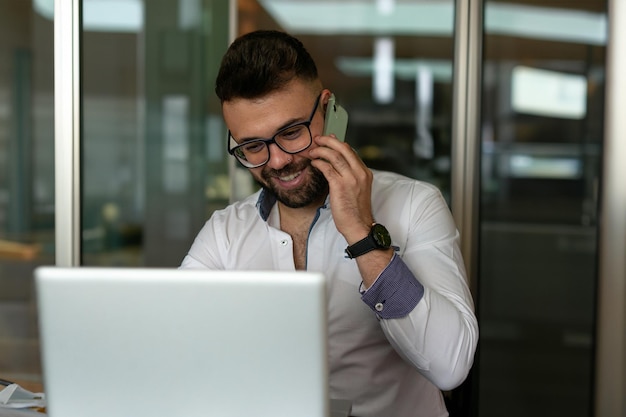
(434, 330)
(372, 264)
(438, 337)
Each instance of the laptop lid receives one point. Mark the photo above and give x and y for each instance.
(165, 342)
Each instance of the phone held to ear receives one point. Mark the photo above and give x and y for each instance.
(336, 120)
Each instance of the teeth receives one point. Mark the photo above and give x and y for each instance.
(290, 177)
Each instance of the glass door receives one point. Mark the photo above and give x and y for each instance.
(154, 164)
(26, 179)
(541, 137)
(391, 64)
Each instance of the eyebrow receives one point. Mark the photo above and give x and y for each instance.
(292, 122)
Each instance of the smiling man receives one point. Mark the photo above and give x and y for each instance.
(401, 324)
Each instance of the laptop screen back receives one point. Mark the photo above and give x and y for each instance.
(166, 342)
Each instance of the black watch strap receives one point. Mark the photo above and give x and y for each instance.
(361, 247)
(377, 238)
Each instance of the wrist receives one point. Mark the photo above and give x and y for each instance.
(377, 238)
(358, 232)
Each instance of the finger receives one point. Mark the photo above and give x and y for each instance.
(334, 158)
(341, 149)
(328, 170)
(331, 141)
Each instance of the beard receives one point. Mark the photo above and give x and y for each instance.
(313, 190)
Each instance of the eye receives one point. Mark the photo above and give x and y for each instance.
(291, 133)
(252, 147)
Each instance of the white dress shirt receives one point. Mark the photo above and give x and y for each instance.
(411, 334)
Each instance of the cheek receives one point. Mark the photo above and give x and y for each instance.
(317, 126)
(306, 153)
(257, 173)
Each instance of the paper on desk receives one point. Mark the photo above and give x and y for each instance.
(14, 396)
(20, 412)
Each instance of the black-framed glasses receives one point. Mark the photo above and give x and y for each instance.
(292, 139)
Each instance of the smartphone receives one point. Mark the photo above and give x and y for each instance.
(336, 120)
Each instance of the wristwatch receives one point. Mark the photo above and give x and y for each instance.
(378, 238)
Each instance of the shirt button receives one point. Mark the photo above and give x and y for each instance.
(284, 242)
(379, 306)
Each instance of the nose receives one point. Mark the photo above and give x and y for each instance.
(278, 157)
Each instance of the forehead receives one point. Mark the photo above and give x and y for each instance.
(263, 116)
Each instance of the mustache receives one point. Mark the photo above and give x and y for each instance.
(286, 170)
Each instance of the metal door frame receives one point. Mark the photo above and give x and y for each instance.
(610, 369)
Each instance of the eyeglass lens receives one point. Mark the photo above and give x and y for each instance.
(293, 139)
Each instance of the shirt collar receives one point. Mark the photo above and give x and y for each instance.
(266, 202)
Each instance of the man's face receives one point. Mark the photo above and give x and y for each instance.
(291, 177)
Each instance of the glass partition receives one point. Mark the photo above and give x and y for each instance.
(390, 64)
(542, 132)
(154, 162)
(26, 179)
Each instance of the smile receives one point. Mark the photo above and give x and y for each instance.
(290, 177)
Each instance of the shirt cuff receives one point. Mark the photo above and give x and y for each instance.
(395, 293)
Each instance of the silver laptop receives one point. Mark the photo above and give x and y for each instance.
(167, 342)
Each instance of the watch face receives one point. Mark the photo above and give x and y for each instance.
(381, 236)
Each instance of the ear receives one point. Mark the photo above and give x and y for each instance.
(326, 93)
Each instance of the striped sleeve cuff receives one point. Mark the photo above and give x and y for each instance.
(395, 293)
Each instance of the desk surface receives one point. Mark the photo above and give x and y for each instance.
(338, 408)
(17, 250)
(31, 386)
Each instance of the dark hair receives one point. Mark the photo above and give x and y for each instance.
(260, 62)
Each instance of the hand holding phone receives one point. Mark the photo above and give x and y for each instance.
(336, 119)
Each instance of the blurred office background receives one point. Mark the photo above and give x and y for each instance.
(154, 165)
